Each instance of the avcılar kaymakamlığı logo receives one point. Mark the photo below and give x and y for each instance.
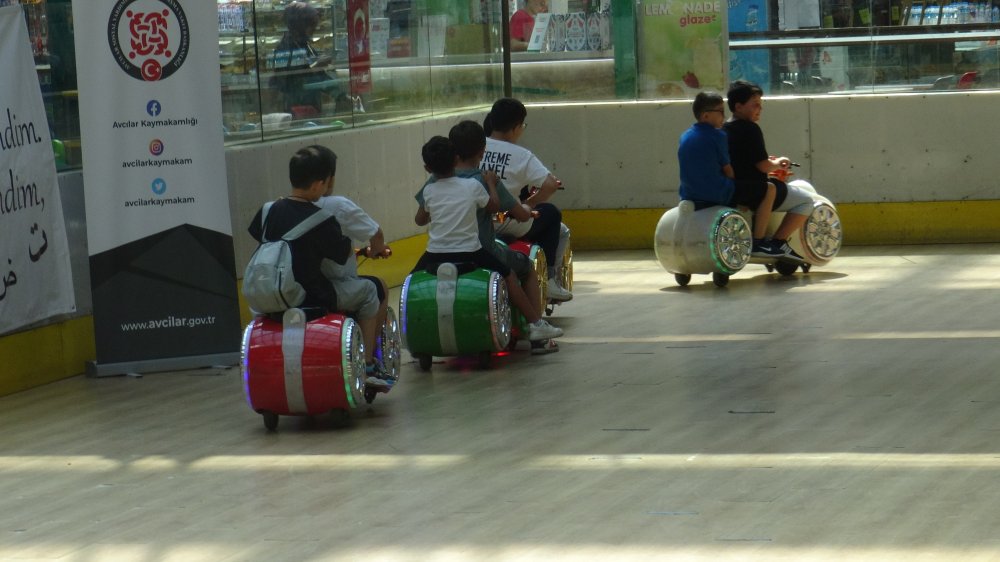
(149, 38)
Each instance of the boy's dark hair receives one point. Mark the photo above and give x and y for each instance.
(467, 138)
(439, 156)
(311, 164)
(741, 91)
(506, 114)
(705, 101)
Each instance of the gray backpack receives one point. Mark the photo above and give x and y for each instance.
(268, 282)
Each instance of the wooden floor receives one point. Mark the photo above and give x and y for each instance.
(853, 413)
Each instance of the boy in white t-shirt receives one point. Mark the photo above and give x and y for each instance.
(449, 206)
(519, 169)
(364, 297)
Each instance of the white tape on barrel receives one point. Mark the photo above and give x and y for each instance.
(447, 288)
(293, 342)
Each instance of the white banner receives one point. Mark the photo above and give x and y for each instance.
(37, 282)
(158, 228)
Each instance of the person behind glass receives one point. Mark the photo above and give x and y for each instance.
(523, 22)
(449, 204)
(752, 165)
(297, 63)
(518, 168)
(362, 297)
(310, 172)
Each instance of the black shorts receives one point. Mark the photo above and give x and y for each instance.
(749, 193)
(481, 257)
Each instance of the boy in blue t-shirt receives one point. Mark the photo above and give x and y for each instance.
(706, 173)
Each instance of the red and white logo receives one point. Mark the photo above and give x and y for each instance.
(149, 38)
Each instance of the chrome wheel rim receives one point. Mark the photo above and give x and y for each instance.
(391, 344)
(353, 352)
(823, 232)
(500, 320)
(732, 242)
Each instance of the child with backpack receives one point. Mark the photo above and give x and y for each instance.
(310, 172)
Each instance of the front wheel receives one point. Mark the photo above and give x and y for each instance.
(425, 362)
(785, 268)
(682, 279)
(720, 279)
(270, 420)
(485, 360)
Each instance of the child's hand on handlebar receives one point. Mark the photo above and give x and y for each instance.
(368, 253)
(781, 161)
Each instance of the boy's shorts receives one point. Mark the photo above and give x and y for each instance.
(798, 201)
(749, 193)
(519, 263)
(358, 296)
(511, 228)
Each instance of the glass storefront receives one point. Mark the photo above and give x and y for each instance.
(289, 69)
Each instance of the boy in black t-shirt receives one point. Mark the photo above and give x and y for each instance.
(752, 164)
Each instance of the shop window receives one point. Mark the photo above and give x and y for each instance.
(296, 68)
(429, 57)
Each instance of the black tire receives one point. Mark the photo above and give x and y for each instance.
(270, 420)
(485, 360)
(425, 362)
(370, 395)
(785, 268)
(720, 279)
(682, 279)
(806, 267)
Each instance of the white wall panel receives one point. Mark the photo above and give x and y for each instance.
(931, 147)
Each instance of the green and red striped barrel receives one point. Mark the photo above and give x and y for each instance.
(449, 314)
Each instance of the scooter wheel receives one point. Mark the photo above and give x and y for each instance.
(720, 279)
(682, 279)
(370, 395)
(425, 362)
(786, 268)
(270, 420)
(485, 360)
(806, 267)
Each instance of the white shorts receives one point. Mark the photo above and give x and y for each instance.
(357, 296)
(798, 201)
(511, 228)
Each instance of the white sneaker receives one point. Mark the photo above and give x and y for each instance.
(543, 347)
(557, 293)
(542, 330)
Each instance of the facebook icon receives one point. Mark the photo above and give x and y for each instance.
(153, 108)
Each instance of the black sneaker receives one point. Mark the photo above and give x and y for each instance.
(766, 249)
(787, 252)
(376, 376)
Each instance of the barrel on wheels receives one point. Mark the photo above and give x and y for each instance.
(456, 310)
(295, 366)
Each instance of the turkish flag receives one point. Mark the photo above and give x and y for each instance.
(359, 54)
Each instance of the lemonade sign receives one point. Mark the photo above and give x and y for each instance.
(682, 47)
